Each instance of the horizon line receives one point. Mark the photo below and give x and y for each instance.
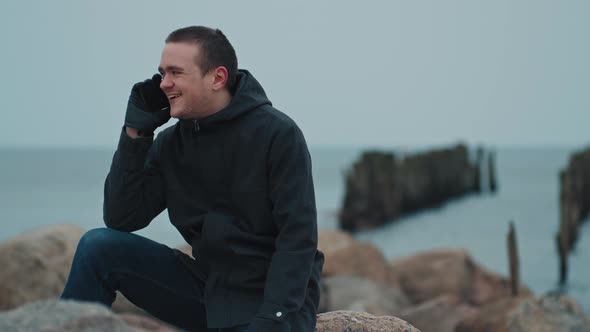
(401, 145)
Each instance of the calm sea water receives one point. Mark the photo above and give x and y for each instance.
(48, 186)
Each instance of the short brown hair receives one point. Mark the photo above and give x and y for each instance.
(216, 50)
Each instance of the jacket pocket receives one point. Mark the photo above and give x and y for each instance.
(251, 256)
(237, 260)
(210, 248)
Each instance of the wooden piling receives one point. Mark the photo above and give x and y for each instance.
(513, 259)
(478, 169)
(492, 171)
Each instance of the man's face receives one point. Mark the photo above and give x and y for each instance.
(189, 91)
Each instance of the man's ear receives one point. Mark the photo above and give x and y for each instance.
(220, 76)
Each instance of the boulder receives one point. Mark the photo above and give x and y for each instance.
(523, 314)
(350, 321)
(363, 295)
(330, 241)
(185, 248)
(441, 314)
(430, 274)
(359, 259)
(488, 287)
(147, 324)
(548, 313)
(123, 305)
(55, 315)
(489, 318)
(35, 265)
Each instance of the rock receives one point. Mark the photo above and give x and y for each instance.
(357, 259)
(523, 314)
(488, 287)
(441, 314)
(330, 241)
(430, 274)
(143, 323)
(548, 313)
(349, 321)
(357, 294)
(62, 316)
(55, 315)
(185, 248)
(380, 188)
(35, 265)
(123, 305)
(490, 318)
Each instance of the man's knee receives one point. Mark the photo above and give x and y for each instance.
(98, 242)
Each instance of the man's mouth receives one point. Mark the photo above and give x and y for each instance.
(173, 96)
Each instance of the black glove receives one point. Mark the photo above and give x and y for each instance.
(148, 107)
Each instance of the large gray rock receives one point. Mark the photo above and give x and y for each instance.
(350, 321)
(35, 265)
(363, 295)
(55, 315)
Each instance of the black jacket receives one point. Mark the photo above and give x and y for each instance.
(238, 186)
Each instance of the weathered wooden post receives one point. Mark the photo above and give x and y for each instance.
(492, 171)
(478, 167)
(513, 259)
(563, 239)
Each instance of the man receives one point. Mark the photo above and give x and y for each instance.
(235, 176)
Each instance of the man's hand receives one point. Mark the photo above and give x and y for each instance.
(148, 107)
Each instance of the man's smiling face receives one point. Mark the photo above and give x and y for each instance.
(189, 90)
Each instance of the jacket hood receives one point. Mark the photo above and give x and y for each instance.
(247, 95)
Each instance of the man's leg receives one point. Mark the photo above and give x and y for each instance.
(146, 272)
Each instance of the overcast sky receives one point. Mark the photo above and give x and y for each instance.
(371, 73)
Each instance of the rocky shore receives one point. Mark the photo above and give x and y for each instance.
(380, 186)
(440, 290)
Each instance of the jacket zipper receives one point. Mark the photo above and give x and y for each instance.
(196, 127)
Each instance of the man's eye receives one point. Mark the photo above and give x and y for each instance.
(175, 72)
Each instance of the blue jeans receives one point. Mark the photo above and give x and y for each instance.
(148, 273)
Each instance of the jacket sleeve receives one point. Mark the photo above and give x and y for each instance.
(133, 190)
(294, 215)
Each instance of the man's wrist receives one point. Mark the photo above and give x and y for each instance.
(132, 132)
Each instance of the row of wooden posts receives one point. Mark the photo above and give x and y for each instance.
(491, 170)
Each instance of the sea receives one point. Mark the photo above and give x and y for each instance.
(46, 186)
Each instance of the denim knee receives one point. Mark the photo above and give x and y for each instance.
(97, 242)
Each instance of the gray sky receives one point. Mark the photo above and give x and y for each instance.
(374, 73)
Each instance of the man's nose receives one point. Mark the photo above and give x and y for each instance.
(166, 82)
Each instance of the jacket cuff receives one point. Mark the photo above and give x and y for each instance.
(272, 311)
(133, 145)
(270, 318)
